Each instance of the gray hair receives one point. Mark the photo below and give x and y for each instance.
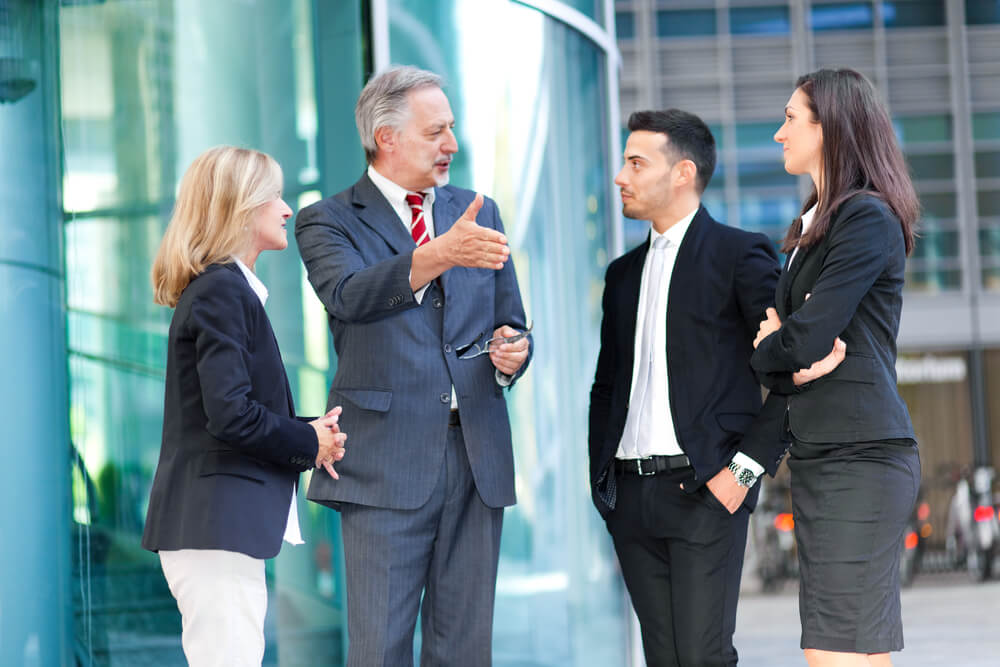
(383, 102)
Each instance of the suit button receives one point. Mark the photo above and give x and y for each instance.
(437, 302)
(447, 348)
(446, 398)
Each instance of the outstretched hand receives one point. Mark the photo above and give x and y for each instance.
(470, 245)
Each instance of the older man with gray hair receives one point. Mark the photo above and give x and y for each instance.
(428, 324)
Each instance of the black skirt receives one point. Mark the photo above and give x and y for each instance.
(851, 504)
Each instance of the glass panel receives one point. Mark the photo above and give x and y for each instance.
(685, 23)
(913, 13)
(936, 244)
(559, 596)
(764, 174)
(769, 215)
(986, 125)
(938, 206)
(991, 279)
(988, 202)
(982, 12)
(625, 25)
(987, 164)
(989, 243)
(933, 281)
(921, 129)
(841, 16)
(592, 8)
(136, 81)
(759, 20)
(938, 166)
(757, 135)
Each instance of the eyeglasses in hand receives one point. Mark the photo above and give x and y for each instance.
(473, 350)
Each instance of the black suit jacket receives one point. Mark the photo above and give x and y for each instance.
(854, 280)
(232, 448)
(722, 282)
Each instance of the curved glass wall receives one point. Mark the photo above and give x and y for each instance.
(145, 87)
(129, 92)
(533, 132)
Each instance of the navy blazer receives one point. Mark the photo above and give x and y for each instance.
(397, 359)
(232, 448)
(854, 280)
(722, 282)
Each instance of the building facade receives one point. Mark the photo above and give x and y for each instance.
(937, 63)
(103, 104)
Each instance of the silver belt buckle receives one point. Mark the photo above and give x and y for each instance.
(638, 465)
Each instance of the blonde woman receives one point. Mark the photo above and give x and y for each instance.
(223, 497)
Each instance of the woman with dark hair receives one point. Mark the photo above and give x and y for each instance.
(853, 458)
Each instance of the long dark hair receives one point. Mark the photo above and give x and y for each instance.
(860, 154)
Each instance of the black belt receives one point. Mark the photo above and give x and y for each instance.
(651, 465)
(453, 419)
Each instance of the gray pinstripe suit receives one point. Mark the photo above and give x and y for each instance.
(397, 362)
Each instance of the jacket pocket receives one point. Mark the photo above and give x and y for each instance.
(854, 368)
(378, 400)
(228, 462)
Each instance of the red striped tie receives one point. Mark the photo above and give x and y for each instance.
(418, 229)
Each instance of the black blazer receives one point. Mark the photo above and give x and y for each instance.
(854, 280)
(722, 282)
(232, 448)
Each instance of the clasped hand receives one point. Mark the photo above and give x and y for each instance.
(819, 368)
(331, 440)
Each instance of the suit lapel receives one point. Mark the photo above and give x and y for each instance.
(629, 299)
(445, 215)
(373, 209)
(686, 264)
(792, 268)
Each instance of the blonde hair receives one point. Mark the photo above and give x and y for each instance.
(211, 223)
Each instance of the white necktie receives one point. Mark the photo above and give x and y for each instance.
(639, 413)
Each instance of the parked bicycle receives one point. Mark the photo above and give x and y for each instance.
(973, 531)
(773, 534)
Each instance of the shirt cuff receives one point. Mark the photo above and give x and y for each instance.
(503, 379)
(745, 461)
(418, 295)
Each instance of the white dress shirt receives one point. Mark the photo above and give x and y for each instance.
(807, 219)
(649, 429)
(293, 535)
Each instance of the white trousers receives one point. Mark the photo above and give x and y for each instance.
(222, 597)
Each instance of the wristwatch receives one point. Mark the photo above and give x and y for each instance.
(744, 476)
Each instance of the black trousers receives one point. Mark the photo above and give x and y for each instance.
(681, 556)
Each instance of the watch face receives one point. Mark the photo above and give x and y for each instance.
(745, 477)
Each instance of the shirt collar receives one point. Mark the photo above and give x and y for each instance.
(395, 193)
(675, 234)
(807, 218)
(255, 284)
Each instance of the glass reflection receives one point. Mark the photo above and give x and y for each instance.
(147, 85)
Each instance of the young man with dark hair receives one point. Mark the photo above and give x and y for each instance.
(671, 470)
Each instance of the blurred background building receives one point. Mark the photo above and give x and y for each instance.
(937, 63)
(104, 103)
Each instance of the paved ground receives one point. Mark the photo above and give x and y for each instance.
(947, 622)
